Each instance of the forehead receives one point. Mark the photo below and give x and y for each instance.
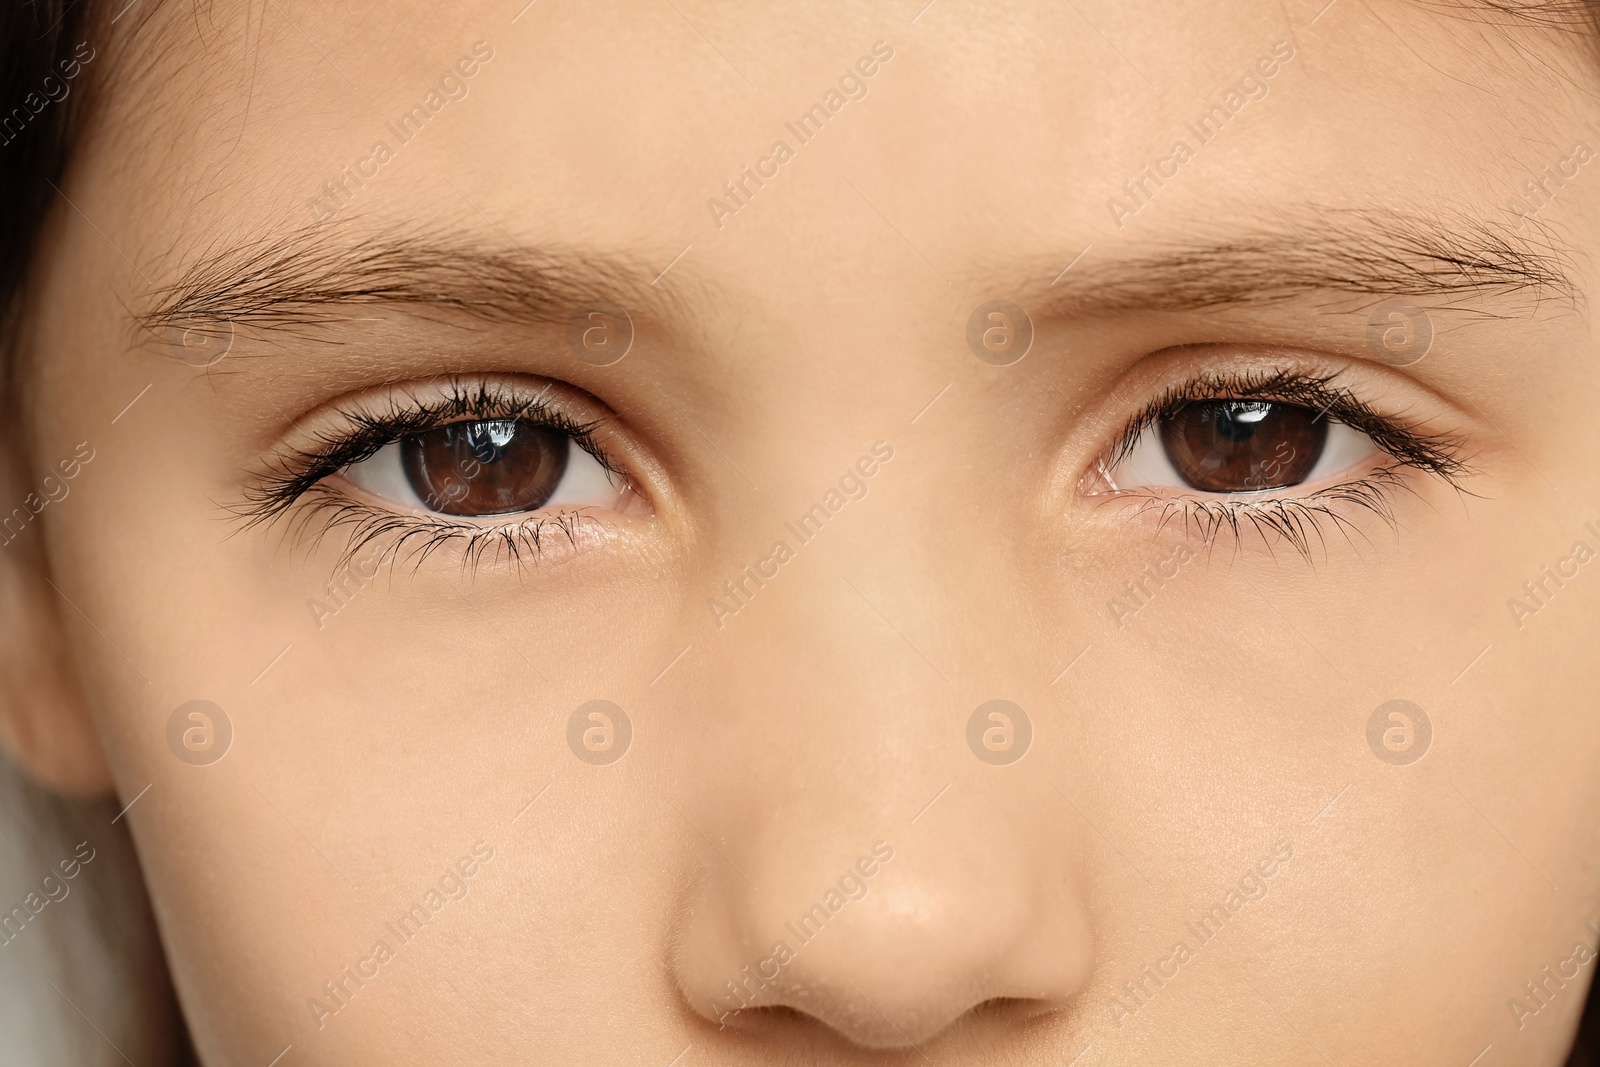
(944, 142)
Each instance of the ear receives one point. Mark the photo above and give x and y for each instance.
(45, 725)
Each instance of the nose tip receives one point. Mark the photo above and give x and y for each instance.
(910, 964)
(886, 960)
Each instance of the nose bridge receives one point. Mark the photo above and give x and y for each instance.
(843, 641)
(861, 564)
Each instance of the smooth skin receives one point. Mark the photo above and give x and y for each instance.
(1216, 737)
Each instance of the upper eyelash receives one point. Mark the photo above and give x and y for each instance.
(1437, 453)
(293, 472)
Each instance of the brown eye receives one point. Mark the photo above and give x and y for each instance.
(486, 467)
(1233, 446)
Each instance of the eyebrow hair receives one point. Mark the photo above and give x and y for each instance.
(310, 278)
(1575, 16)
(1350, 252)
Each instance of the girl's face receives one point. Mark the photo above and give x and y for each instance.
(681, 534)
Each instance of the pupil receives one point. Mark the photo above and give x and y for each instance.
(485, 467)
(1237, 420)
(1240, 446)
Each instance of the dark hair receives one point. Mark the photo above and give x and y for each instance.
(1583, 1050)
(38, 39)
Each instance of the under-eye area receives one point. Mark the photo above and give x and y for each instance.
(488, 469)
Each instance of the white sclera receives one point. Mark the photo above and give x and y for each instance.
(585, 483)
(1147, 465)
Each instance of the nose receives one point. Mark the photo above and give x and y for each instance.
(827, 901)
(890, 940)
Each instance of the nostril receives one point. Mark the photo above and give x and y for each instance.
(870, 1028)
(782, 1025)
(1011, 1011)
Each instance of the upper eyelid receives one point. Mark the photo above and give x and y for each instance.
(291, 470)
(1274, 387)
(1324, 391)
(418, 415)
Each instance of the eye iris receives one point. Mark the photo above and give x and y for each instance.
(486, 467)
(1233, 446)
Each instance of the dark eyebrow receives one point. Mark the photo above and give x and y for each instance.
(1320, 256)
(315, 278)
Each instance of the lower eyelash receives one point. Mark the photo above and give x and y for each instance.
(1297, 521)
(418, 537)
